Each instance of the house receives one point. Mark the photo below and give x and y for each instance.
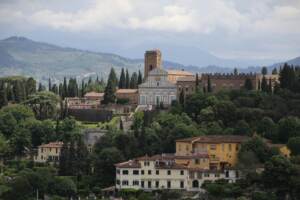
(48, 152)
(164, 172)
(221, 149)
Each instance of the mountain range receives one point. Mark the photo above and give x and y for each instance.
(22, 56)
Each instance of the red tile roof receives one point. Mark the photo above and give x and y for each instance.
(216, 139)
(94, 94)
(126, 91)
(52, 144)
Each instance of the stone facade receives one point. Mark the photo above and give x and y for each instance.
(235, 82)
(152, 61)
(157, 90)
(187, 85)
(130, 94)
(176, 75)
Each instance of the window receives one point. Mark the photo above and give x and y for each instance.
(135, 182)
(197, 161)
(125, 182)
(125, 172)
(142, 184)
(157, 84)
(217, 175)
(169, 184)
(181, 172)
(213, 147)
(227, 174)
(50, 149)
(118, 171)
(42, 150)
(135, 172)
(157, 172)
(237, 147)
(146, 163)
(56, 150)
(229, 147)
(149, 172)
(118, 182)
(181, 184)
(206, 174)
(149, 184)
(142, 172)
(169, 172)
(157, 184)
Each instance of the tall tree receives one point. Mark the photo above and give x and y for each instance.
(63, 160)
(65, 89)
(248, 84)
(127, 79)
(181, 97)
(209, 88)
(197, 81)
(122, 80)
(287, 77)
(49, 85)
(264, 84)
(140, 78)
(19, 91)
(134, 81)
(82, 88)
(274, 71)
(3, 95)
(264, 71)
(30, 86)
(110, 89)
(235, 71)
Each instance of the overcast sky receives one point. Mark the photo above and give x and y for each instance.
(241, 29)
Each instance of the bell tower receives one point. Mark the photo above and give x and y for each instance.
(152, 61)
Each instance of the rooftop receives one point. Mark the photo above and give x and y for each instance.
(186, 79)
(52, 144)
(179, 72)
(126, 91)
(94, 94)
(216, 139)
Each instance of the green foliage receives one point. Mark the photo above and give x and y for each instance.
(288, 127)
(110, 89)
(248, 84)
(122, 81)
(294, 145)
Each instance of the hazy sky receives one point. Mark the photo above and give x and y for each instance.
(243, 29)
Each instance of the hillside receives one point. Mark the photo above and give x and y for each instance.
(22, 56)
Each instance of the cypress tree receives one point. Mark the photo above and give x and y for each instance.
(82, 88)
(248, 84)
(264, 84)
(121, 124)
(181, 97)
(109, 93)
(140, 78)
(30, 86)
(197, 80)
(264, 71)
(270, 86)
(49, 85)
(63, 160)
(122, 80)
(65, 89)
(127, 79)
(209, 88)
(19, 91)
(60, 90)
(82, 158)
(274, 71)
(3, 95)
(54, 89)
(235, 71)
(113, 77)
(72, 158)
(134, 81)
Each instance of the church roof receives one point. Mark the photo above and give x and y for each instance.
(179, 72)
(158, 72)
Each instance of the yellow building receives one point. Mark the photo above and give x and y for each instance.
(48, 152)
(175, 75)
(222, 150)
(282, 148)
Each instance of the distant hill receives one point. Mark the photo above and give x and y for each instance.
(295, 62)
(22, 56)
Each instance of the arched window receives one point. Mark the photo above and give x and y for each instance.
(195, 184)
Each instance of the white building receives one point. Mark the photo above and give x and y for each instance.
(163, 172)
(157, 89)
(48, 152)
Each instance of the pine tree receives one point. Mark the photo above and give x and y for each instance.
(134, 81)
(235, 71)
(49, 85)
(248, 84)
(274, 71)
(127, 83)
(140, 78)
(122, 80)
(209, 88)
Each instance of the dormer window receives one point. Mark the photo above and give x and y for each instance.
(157, 83)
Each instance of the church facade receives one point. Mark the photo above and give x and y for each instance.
(157, 89)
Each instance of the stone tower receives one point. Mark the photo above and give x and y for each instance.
(152, 61)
